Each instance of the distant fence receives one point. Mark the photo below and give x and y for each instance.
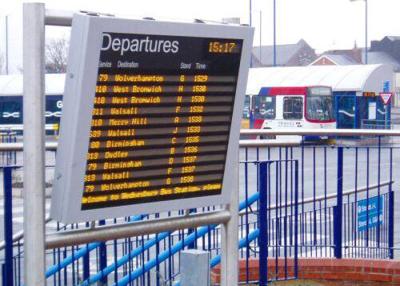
(8, 158)
(389, 124)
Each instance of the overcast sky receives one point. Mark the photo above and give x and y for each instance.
(324, 24)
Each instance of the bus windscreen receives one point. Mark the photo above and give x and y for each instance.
(319, 104)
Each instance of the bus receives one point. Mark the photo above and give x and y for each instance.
(310, 107)
(247, 112)
(11, 109)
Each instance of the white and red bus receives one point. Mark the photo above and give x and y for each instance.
(310, 107)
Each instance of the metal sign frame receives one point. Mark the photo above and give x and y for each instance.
(86, 41)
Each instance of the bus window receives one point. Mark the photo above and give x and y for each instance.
(11, 110)
(265, 107)
(53, 109)
(246, 108)
(320, 104)
(292, 107)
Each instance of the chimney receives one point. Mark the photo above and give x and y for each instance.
(356, 54)
(232, 20)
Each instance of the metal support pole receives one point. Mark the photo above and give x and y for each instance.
(250, 24)
(380, 206)
(33, 114)
(59, 18)
(3, 276)
(111, 232)
(391, 223)
(263, 223)
(103, 257)
(230, 234)
(7, 52)
(8, 272)
(338, 210)
(391, 208)
(296, 219)
(86, 265)
(191, 230)
(250, 13)
(195, 268)
(274, 8)
(366, 31)
(260, 38)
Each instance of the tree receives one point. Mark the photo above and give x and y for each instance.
(56, 56)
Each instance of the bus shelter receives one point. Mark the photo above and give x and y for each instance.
(356, 89)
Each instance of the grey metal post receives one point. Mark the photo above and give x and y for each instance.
(366, 29)
(366, 32)
(230, 234)
(250, 24)
(274, 31)
(7, 51)
(33, 110)
(195, 268)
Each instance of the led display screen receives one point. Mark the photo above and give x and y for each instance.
(154, 122)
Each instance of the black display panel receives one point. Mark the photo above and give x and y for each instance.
(161, 118)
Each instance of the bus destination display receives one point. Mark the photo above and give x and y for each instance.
(161, 118)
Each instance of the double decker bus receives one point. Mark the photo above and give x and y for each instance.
(310, 107)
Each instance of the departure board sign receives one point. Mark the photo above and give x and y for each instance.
(151, 117)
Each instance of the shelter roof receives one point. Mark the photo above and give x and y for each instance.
(13, 84)
(356, 78)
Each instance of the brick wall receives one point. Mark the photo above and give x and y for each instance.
(329, 272)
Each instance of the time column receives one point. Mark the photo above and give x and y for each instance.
(195, 119)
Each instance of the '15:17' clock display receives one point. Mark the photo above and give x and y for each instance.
(224, 47)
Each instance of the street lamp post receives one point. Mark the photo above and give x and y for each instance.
(274, 8)
(250, 24)
(366, 28)
(274, 29)
(260, 36)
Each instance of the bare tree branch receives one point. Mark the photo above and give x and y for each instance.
(56, 56)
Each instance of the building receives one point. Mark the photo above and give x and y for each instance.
(381, 52)
(389, 44)
(299, 54)
(356, 56)
(334, 60)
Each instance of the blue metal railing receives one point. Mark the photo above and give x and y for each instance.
(317, 180)
(200, 232)
(8, 268)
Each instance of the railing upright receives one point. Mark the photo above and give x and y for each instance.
(263, 223)
(86, 262)
(103, 257)
(391, 210)
(296, 221)
(246, 189)
(3, 276)
(378, 229)
(338, 210)
(8, 227)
